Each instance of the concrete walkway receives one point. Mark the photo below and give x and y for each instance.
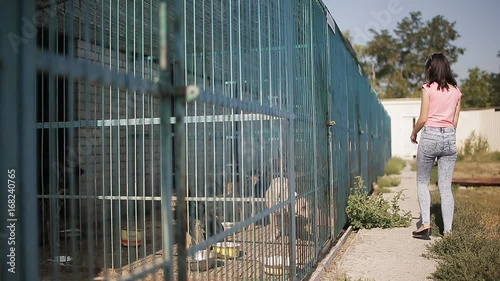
(386, 254)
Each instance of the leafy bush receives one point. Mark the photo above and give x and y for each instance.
(388, 181)
(365, 211)
(394, 166)
(474, 144)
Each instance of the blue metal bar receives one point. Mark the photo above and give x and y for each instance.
(53, 164)
(71, 135)
(177, 69)
(87, 71)
(290, 90)
(18, 145)
(166, 149)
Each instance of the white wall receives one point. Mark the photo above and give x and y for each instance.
(402, 112)
(484, 121)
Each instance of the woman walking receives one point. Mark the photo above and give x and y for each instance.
(439, 112)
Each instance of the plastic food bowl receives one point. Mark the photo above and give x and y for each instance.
(227, 225)
(276, 265)
(132, 237)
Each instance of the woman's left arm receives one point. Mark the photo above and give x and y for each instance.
(422, 119)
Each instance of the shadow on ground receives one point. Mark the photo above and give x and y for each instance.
(437, 217)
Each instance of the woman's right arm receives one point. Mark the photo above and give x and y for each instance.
(457, 113)
(422, 119)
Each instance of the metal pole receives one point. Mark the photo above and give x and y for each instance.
(166, 148)
(18, 144)
(180, 134)
(290, 78)
(29, 255)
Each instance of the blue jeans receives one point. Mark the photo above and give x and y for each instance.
(437, 143)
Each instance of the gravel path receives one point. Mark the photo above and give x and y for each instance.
(386, 254)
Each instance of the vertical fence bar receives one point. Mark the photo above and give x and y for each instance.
(7, 122)
(290, 78)
(166, 147)
(178, 61)
(18, 144)
(315, 87)
(53, 164)
(74, 163)
(106, 229)
(330, 123)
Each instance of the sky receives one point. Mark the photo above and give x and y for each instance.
(477, 22)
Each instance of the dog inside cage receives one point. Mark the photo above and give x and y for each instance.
(279, 191)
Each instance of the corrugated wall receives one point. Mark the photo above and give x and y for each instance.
(482, 121)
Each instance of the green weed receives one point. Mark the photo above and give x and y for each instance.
(366, 211)
(388, 181)
(394, 166)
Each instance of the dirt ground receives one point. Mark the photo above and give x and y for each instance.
(386, 254)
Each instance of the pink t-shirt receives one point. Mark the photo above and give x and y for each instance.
(442, 105)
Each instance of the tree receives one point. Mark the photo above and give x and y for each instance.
(477, 89)
(398, 61)
(368, 67)
(495, 81)
(380, 57)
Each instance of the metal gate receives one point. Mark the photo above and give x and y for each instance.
(175, 140)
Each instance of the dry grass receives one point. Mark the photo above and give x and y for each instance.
(413, 165)
(471, 253)
(465, 169)
(485, 200)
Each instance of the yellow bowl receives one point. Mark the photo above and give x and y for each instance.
(228, 249)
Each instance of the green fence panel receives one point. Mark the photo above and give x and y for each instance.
(175, 140)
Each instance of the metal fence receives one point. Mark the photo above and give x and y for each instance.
(174, 140)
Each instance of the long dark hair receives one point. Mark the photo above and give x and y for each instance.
(437, 69)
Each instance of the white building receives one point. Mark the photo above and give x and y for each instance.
(483, 121)
(404, 114)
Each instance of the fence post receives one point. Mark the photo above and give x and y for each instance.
(290, 75)
(166, 147)
(19, 247)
